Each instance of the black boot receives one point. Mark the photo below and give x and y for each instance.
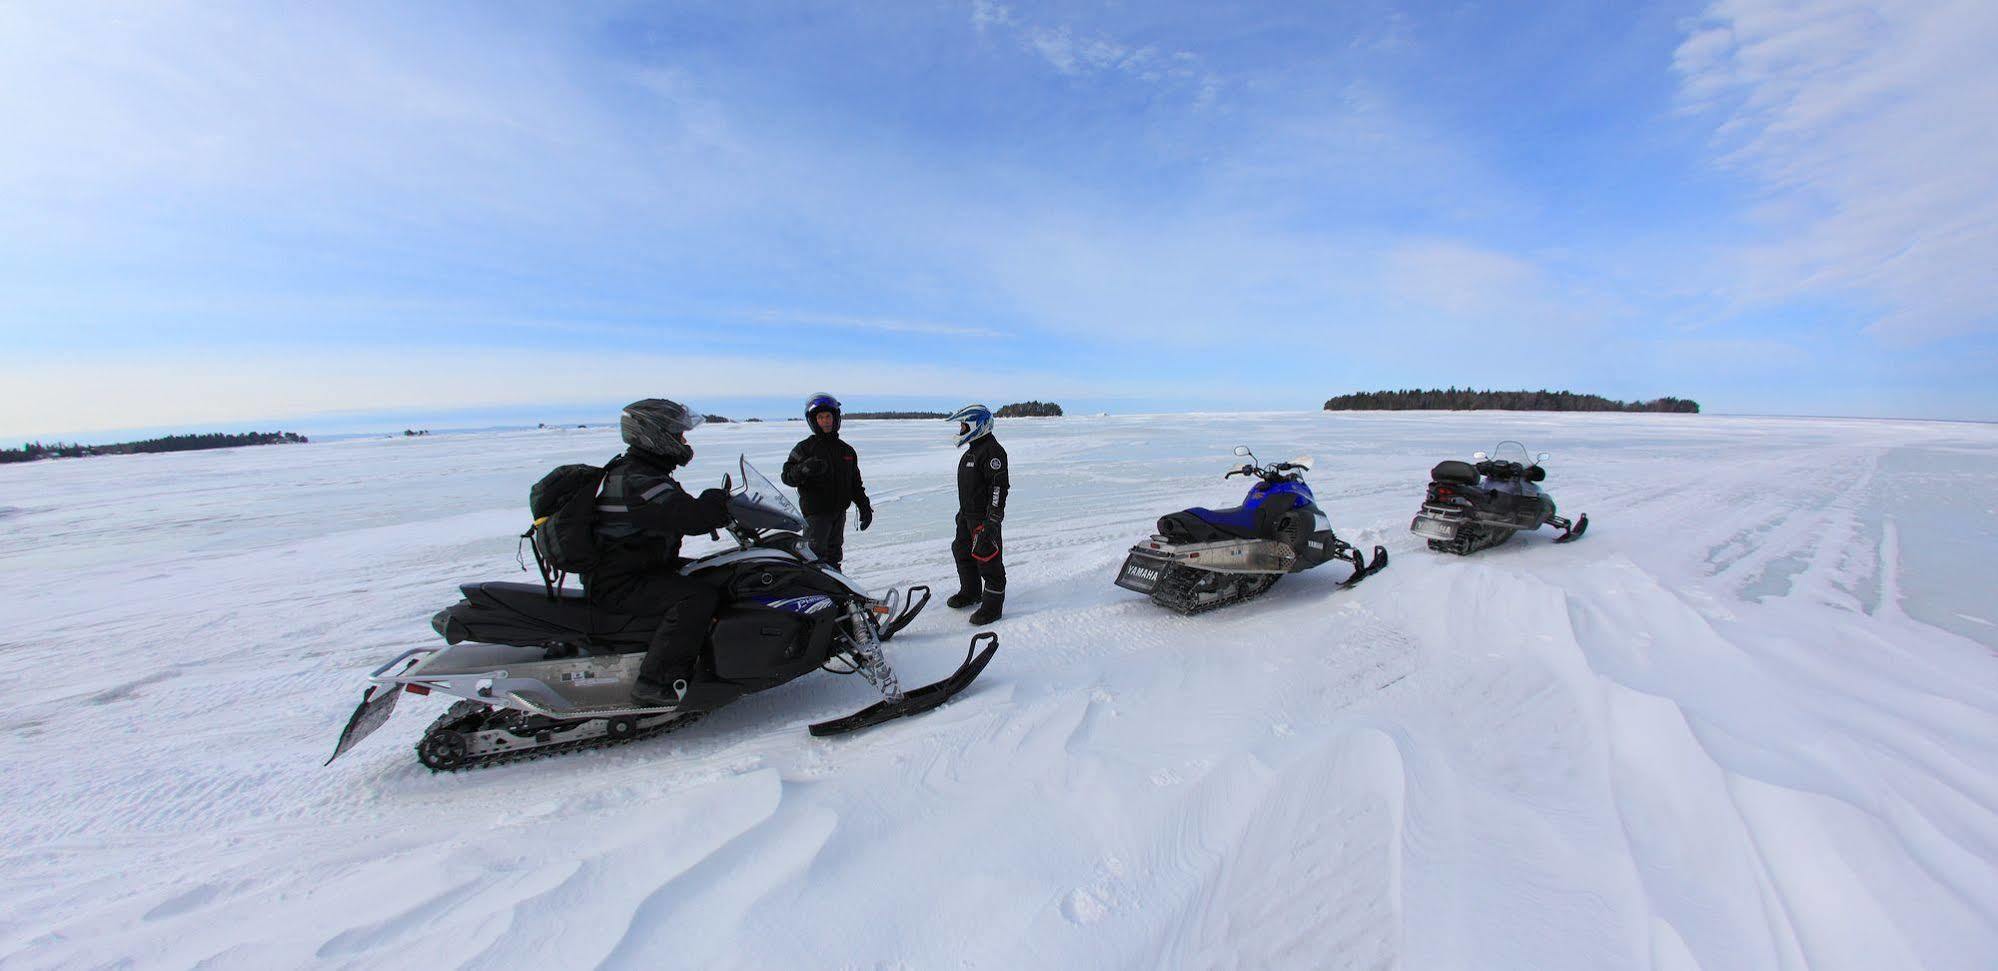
(961, 600)
(645, 694)
(990, 610)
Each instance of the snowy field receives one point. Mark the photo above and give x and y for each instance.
(1750, 721)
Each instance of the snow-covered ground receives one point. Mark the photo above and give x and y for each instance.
(1750, 721)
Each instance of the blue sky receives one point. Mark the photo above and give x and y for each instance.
(225, 215)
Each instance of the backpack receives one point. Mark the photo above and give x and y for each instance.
(564, 504)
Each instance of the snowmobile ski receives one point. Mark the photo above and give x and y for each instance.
(919, 700)
(911, 605)
(1573, 533)
(1363, 569)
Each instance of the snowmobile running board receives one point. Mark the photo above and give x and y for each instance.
(919, 700)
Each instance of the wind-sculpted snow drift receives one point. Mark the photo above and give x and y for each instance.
(1752, 721)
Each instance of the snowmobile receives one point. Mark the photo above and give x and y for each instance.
(1201, 559)
(540, 671)
(1470, 507)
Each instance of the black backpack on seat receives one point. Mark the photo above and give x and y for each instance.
(564, 504)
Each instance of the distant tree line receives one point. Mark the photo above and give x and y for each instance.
(1465, 399)
(1021, 409)
(717, 419)
(172, 443)
(1029, 409)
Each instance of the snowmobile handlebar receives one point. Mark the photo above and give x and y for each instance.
(1501, 469)
(1270, 473)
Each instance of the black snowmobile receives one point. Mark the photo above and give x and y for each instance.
(540, 671)
(1470, 507)
(1202, 558)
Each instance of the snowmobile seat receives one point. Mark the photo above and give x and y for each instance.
(1451, 470)
(1238, 521)
(1200, 524)
(570, 611)
(521, 614)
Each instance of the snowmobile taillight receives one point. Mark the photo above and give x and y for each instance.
(878, 608)
(417, 689)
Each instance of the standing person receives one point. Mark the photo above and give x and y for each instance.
(982, 485)
(826, 472)
(641, 515)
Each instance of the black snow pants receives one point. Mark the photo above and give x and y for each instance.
(970, 571)
(687, 607)
(827, 533)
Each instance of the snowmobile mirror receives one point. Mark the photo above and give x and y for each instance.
(1540, 459)
(1479, 456)
(1243, 450)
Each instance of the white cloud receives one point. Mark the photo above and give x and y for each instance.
(1077, 56)
(889, 325)
(985, 13)
(1869, 125)
(1458, 279)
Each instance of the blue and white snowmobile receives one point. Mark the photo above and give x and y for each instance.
(1202, 558)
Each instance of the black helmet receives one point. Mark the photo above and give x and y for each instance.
(821, 402)
(659, 426)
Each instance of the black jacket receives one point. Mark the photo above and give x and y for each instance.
(982, 482)
(642, 513)
(837, 487)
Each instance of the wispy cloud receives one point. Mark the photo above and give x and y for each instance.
(1868, 124)
(1079, 54)
(887, 325)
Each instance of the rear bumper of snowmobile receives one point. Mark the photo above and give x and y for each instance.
(1438, 522)
(1148, 560)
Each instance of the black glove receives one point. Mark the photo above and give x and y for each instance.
(812, 468)
(866, 517)
(714, 503)
(984, 541)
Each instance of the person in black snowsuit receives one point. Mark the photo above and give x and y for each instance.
(826, 472)
(982, 484)
(641, 515)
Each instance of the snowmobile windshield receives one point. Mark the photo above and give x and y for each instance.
(761, 505)
(1510, 451)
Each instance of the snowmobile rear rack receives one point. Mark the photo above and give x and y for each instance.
(918, 700)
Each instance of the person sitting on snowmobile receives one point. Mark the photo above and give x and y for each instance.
(641, 515)
(982, 485)
(826, 472)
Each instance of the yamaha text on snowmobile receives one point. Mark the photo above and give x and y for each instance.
(539, 670)
(1471, 507)
(1201, 559)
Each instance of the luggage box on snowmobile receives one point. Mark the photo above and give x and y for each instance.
(1148, 560)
